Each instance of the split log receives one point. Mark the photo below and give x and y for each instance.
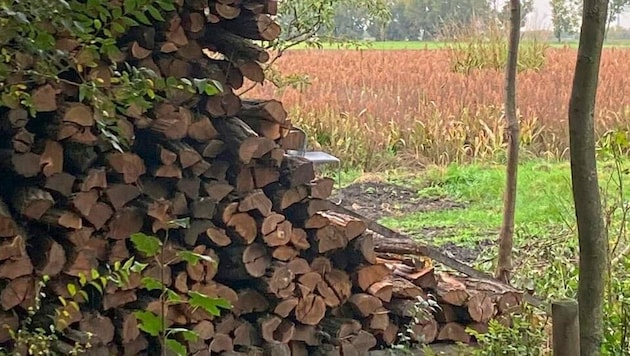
(130, 165)
(32, 202)
(250, 301)
(171, 122)
(17, 292)
(225, 104)
(229, 43)
(256, 200)
(363, 342)
(242, 140)
(426, 331)
(101, 327)
(454, 332)
(369, 275)
(274, 329)
(8, 227)
(244, 262)
(52, 158)
(364, 304)
(340, 328)
(296, 171)
(259, 27)
(51, 257)
(9, 321)
(481, 307)
(269, 110)
(310, 310)
(221, 343)
(451, 290)
(286, 306)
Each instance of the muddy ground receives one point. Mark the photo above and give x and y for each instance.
(376, 200)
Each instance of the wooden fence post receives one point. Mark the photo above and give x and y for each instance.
(566, 328)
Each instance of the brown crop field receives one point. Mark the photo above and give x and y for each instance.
(384, 107)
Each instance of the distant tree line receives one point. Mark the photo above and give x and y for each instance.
(423, 19)
(438, 19)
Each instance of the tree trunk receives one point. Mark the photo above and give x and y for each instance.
(593, 244)
(504, 263)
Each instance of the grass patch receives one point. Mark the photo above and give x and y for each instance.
(543, 199)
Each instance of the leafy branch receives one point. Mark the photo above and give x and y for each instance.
(155, 325)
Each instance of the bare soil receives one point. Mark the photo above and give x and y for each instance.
(376, 200)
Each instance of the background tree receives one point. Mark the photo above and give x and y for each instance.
(564, 17)
(527, 6)
(421, 19)
(592, 240)
(504, 263)
(615, 8)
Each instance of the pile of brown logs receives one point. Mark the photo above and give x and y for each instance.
(301, 280)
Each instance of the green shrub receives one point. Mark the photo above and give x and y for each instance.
(522, 338)
(473, 49)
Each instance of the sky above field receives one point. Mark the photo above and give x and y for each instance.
(541, 16)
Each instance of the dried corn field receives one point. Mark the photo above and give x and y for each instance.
(371, 106)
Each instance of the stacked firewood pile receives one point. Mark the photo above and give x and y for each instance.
(302, 280)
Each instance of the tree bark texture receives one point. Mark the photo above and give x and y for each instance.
(592, 241)
(504, 263)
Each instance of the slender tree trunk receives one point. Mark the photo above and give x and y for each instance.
(504, 263)
(593, 244)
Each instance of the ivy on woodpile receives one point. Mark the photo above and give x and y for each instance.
(79, 44)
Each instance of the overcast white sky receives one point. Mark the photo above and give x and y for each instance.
(541, 16)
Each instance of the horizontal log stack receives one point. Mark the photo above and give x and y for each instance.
(301, 280)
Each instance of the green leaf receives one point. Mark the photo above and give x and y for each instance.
(189, 256)
(116, 12)
(148, 245)
(149, 322)
(72, 289)
(117, 27)
(166, 5)
(194, 258)
(130, 5)
(127, 265)
(176, 347)
(129, 21)
(84, 294)
(155, 13)
(94, 273)
(138, 267)
(97, 286)
(188, 335)
(173, 297)
(209, 304)
(218, 85)
(171, 81)
(212, 90)
(142, 18)
(151, 283)
(98, 24)
(184, 223)
(82, 279)
(103, 280)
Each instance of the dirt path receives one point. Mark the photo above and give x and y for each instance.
(376, 200)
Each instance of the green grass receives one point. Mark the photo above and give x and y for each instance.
(426, 45)
(545, 242)
(543, 199)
